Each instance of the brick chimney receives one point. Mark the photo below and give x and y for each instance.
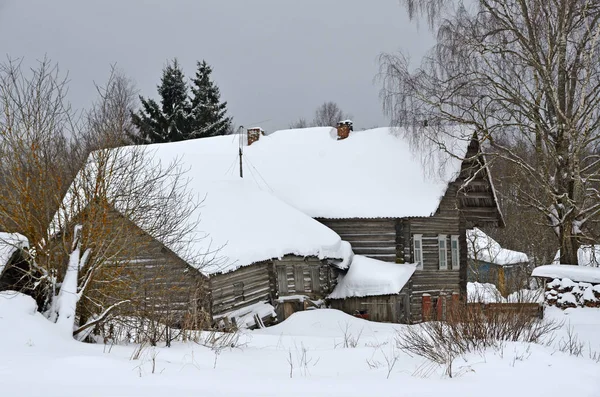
(343, 129)
(254, 134)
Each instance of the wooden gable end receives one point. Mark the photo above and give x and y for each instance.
(473, 193)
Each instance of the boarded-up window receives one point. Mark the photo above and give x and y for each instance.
(443, 252)
(418, 250)
(455, 252)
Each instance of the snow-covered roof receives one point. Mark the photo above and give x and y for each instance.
(587, 255)
(292, 176)
(372, 173)
(372, 277)
(483, 248)
(573, 272)
(9, 243)
(247, 225)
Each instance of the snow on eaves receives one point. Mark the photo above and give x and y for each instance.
(372, 277)
(483, 248)
(9, 244)
(246, 225)
(573, 272)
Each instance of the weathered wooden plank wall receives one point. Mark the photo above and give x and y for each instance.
(381, 308)
(242, 287)
(308, 276)
(158, 283)
(375, 238)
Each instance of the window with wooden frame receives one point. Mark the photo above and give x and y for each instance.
(418, 250)
(443, 252)
(455, 252)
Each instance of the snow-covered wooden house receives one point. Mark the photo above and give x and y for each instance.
(284, 228)
(488, 262)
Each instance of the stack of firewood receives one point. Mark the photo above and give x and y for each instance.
(566, 293)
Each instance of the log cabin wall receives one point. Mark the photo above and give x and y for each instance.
(431, 279)
(158, 282)
(308, 276)
(242, 287)
(382, 308)
(372, 237)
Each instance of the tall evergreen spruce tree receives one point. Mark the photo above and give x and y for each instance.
(169, 122)
(208, 113)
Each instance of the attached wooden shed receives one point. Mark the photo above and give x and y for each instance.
(374, 290)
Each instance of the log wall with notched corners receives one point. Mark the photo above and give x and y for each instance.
(158, 284)
(242, 287)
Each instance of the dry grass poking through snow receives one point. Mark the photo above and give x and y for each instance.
(468, 329)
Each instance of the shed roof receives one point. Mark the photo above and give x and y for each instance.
(482, 247)
(372, 277)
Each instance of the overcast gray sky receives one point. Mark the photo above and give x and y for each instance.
(274, 60)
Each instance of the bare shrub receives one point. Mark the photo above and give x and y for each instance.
(571, 343)
(350, 340)
(469, 329)
(300, 359)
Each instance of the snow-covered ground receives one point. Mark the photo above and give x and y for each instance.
(36, 359)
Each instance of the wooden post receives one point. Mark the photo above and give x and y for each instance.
(426, 307)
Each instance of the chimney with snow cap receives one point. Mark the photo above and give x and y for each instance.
(254, 134)
(343, 129)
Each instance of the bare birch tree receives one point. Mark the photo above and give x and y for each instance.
(521, 72)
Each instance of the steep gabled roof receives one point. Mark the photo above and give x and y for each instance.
(371, 174)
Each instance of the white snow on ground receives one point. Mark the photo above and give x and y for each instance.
(37, 360)
(484, 248)
(370, 277)
(573, 272)
(483, 293)
(9, 243)
(587, 255)
(488, 293)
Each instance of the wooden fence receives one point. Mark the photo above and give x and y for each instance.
(531, 309)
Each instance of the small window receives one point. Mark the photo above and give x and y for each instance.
(455, 255)
(443, 252)
(418, 250)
